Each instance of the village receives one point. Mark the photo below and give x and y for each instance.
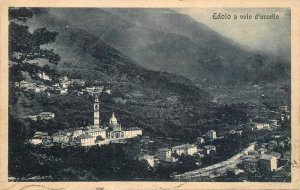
(256, 157)
(87, 136)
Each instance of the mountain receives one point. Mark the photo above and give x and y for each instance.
(162, 103)
(166, 40)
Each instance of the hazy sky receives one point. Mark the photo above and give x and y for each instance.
(272, 36)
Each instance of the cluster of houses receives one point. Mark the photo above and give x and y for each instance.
(208, 136)
(60, 88)
(57, 88)
(92, 135)
(91, 90)
(271, 123)
(258, 124)
(31, 86)
(169, 155)
(41, 116)
(264, 158)
(41, 138)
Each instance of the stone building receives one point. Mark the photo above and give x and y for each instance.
(209, 149)
(164, 153)
(87, 140)
(185, 149)
(46, 115)
(250, 163)
(60, 137)
(211, 134)
(268, 163)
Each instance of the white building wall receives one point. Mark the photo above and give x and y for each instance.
(131, 134)
(98, 133)
(36, 141)
(88, 142)
(192, 151)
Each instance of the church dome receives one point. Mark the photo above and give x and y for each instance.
(113, 119)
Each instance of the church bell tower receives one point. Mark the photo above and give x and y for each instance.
(96, 112)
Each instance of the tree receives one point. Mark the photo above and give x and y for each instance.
(25, 47)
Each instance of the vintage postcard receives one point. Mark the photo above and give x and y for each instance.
(150, 95)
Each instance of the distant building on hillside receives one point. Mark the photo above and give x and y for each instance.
(185, 149)
(262, 151)
(272, 145)
(77, 82)
(36, 141)
(259, 126)
(200, 140)
(164, 153)
(273, 122)
(44, 76)
(24, 84)
(93, 90)
(211, 134)
(60, 90)
(209, 149)
(283, 108)
(41, 116)
(46, 115)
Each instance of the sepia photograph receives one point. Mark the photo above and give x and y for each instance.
(150, 94)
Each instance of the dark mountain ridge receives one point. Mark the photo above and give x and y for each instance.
(165, 40)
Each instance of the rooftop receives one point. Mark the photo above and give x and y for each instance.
(276, 154)
(85, 136)
(95, 130)
(41, 133)
(46, 113)
(184, 146)
(249, 157)
(266, 157)
(59, 133)
(209, 147)
(131, 129)
(250, 160)
(272, 142)
(262, 149)
(164, 149)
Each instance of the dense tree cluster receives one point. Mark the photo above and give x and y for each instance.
(25, 47)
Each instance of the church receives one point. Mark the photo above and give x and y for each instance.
(105, 134)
